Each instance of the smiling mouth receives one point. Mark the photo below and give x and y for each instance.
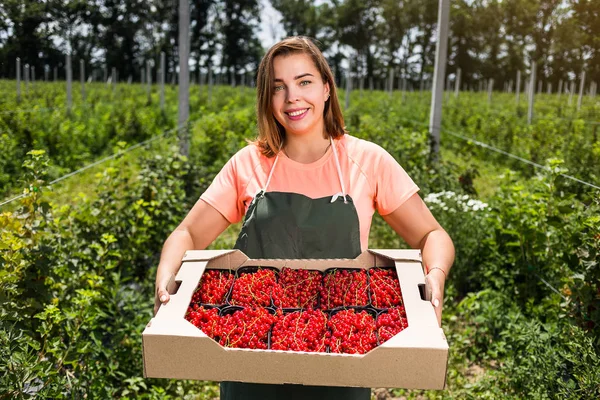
(297, 113)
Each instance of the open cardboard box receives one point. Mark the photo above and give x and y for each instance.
(416, 358)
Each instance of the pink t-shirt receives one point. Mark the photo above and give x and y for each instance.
(372, 177)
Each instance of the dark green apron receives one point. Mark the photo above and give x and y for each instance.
(293, 226)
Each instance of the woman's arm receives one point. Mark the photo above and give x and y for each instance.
(200, 227)
(417, 226)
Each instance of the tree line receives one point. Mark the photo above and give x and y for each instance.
(489, 39)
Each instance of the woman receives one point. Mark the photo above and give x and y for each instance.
(306, 189)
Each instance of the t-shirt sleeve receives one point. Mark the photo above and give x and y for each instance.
(224, 192)
(393, 185)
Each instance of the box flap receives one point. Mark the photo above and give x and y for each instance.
(419, 312)
(206, 255)
(175, 327)
(418, 338)
(399, 254)
(184, 285)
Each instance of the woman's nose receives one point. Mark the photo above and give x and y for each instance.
(292, 96)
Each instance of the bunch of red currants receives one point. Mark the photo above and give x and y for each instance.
(340, 311)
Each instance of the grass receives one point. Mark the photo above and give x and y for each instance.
(488, 177)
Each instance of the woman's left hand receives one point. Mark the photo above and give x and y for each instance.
(437, 279)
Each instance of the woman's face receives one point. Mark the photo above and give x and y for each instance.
(299, 94)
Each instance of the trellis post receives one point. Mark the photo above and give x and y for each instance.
(184, 76)
(18, 80)
(531, 92)
(439, 73)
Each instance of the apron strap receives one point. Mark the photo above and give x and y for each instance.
(271, 173)
(272, 168)
(339, 171)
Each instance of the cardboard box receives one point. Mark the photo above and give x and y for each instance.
(416, 358)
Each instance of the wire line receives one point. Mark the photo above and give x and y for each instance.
(127, 150)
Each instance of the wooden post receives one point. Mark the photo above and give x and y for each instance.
(210, 84)
(348, 84)
(581, 85)
(441, 50)
(162, 80)
(82, 79)
(549, 88)
(149, 81)
(184, 76)
(531, 92)
(32, 76)
(26, 75)
(457, 86)
(69, 82)
(18, 80)
(571, 91)
(540, 85)
(113, 78)
(560, 86)
(391, 81)
(490, 90)
(518, 89)
(371, 83)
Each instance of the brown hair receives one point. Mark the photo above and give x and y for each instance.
(270, 132)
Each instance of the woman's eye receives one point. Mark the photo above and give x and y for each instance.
(304, 83)
(278, 88)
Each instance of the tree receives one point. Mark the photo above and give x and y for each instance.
(300, 17)
(357, 28)
(464, 46)
(203, 40)
(587, 17)
(423, 16)
(118, 25)
(392, 33)
(25, 34)
(241, 47)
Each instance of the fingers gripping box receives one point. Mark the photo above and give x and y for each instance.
(415, 358)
